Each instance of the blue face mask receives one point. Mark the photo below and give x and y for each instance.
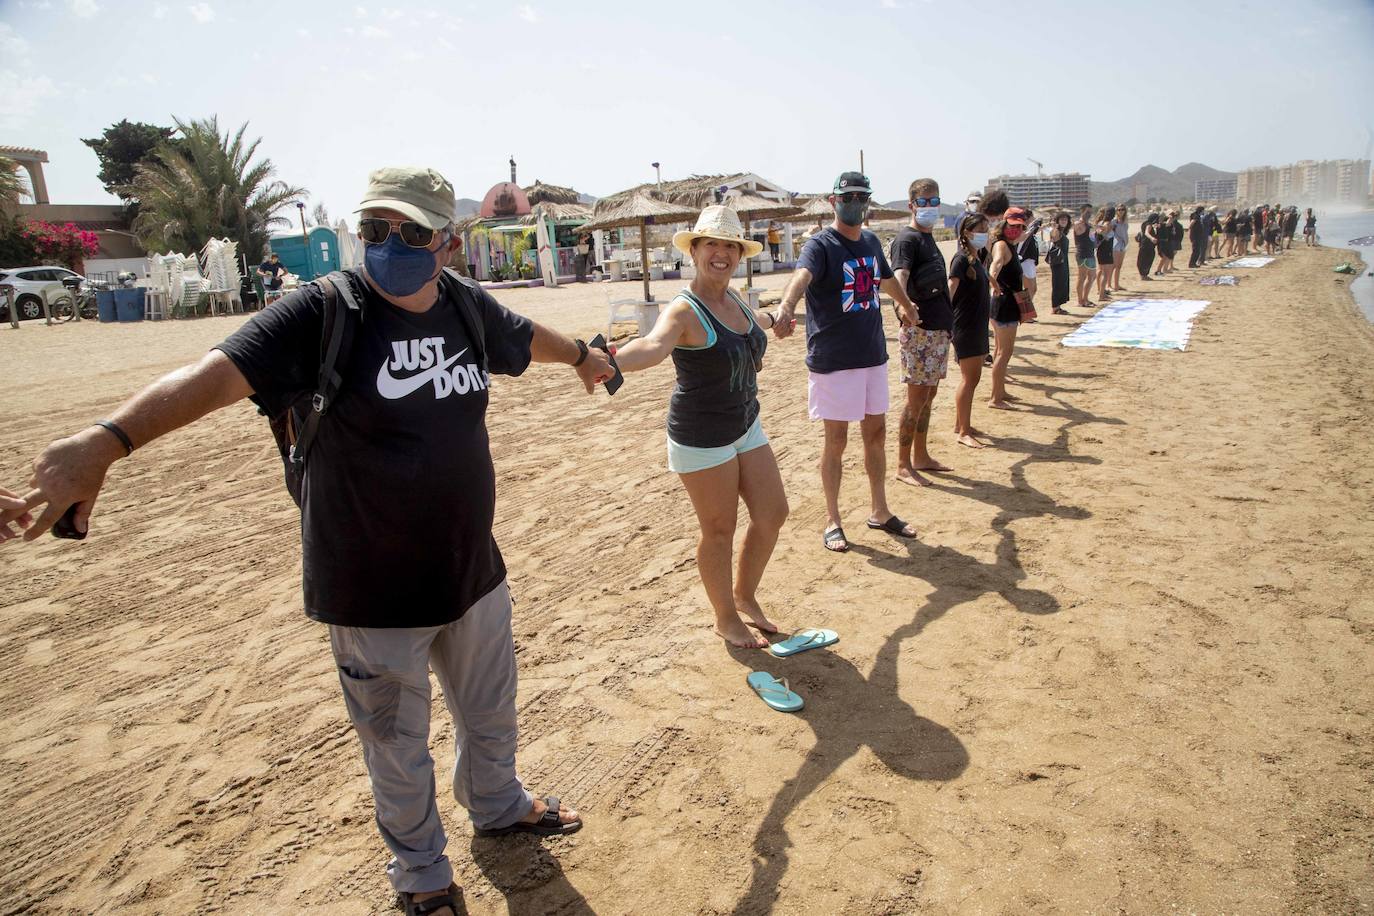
(397, 269)
(851, 213)
(927, 216)
(978, 240)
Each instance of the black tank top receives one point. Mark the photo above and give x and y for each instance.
(716, 397)
(1083, 244)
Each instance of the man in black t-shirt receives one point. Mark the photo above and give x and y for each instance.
(840, 272)
(919, 267)
(272, 270)
(397, 505)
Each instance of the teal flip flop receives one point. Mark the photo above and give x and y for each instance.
(774, 691)
(803, 640)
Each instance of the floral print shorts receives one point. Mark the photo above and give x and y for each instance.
(925, 355)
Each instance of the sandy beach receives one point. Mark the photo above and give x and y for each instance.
(1125, 668)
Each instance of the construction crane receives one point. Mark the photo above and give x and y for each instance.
(1039, 166)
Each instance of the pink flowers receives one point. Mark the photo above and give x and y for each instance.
(66, 244)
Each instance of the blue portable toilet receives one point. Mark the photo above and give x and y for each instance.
(311, 259)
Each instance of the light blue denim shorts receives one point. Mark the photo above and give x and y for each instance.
(684, 459)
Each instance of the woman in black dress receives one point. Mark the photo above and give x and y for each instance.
(1006, 288)
(1149, 239)
(1104, 237)
(1228, 234)
(971, 301)
(1058, 258)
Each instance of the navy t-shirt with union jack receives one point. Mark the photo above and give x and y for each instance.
(844, 325)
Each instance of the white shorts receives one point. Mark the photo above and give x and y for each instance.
(849, 394)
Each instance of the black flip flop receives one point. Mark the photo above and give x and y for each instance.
(893, 525)
(835, 536)
(452, 898)
(547, 825)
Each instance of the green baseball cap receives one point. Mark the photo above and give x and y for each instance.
(421, 194)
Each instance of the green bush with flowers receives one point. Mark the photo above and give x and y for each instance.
(66, 244)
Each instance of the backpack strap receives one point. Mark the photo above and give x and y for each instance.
(465, 292)
(341, 312)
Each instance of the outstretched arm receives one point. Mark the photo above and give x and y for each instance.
(787, 312)
(654, 348)
(906, 310)
(71, 471)
(549, 346)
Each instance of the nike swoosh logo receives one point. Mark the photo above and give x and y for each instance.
(396, 388)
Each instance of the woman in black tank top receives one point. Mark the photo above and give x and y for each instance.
(1006, 284)
(715, 440)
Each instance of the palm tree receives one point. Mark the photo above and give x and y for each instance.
(13, 187)
(207, 186)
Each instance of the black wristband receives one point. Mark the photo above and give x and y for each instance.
(119, 434)
(581, 351)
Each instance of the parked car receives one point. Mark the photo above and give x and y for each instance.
(29, 284)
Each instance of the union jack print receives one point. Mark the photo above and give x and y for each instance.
(860, 290)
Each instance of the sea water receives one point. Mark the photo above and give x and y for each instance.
(1335, 230)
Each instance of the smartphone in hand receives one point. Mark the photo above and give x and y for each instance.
(612, 384)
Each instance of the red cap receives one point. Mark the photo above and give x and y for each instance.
(1015, 216)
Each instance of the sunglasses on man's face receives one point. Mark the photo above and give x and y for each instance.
(926, 201)
(374, 230)
(853, 197)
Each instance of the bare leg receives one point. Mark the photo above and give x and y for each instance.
(715, 497)
(832, 455)
(970, 371)
(874, 430)
(760, 485)
(1006, 341)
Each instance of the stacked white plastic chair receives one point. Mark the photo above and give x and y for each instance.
(220, 266)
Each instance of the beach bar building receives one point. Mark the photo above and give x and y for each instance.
(499, 241)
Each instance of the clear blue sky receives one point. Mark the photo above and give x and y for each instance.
(589, 93)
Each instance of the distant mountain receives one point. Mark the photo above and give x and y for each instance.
(1159, 183)
(587, 199)
(466, 206)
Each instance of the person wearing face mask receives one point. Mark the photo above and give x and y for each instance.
(397, 508)
(840, 272)
(716, 443)
(1058, 259)
(920, 269)
(970, 302)
(1007, 288)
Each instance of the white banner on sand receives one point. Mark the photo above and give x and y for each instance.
(1249, 262)
(1147, 324)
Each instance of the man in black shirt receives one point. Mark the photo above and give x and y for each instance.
(397, 504)
(272, 270)
(919, 267)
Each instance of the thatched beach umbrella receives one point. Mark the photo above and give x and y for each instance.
(540, 193)
(642, 211)
(751, 207)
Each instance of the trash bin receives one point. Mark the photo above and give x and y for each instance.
(105, 304)
(129, 304)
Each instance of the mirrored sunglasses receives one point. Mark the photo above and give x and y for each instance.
(374, 230)
(926, 201)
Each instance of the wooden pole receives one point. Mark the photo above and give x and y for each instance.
(8, 292)
(644, 257)
(748, 262)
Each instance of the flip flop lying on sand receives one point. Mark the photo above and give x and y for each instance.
(803, 640)
(774, 691)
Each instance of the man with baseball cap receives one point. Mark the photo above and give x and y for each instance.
(397, 505)
(840, 272)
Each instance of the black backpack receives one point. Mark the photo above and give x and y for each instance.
(295, 427)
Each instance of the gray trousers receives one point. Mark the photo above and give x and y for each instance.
(385, 678)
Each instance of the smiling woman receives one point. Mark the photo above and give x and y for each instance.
(716, 442)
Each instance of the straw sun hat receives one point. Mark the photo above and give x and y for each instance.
(716, 222)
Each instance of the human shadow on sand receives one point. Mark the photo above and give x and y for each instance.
(849, 711)
(524, 871)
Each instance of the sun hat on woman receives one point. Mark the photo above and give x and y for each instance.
(716, 222)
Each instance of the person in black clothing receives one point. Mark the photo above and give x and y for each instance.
(1106, 241)
(1290, 226)
(1244, 229)
(1085, 255)
(397, 507)
(970, 300)
(1006, 286)
(1309, 229)
(920, 268)
(1148, 240)
(1058, 259)
(1228, 234)
(1197, 236)
(272, 270)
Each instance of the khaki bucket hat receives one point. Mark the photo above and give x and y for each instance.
(716, 222)
(421, 194)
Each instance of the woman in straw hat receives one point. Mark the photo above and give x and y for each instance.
(715, 441)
